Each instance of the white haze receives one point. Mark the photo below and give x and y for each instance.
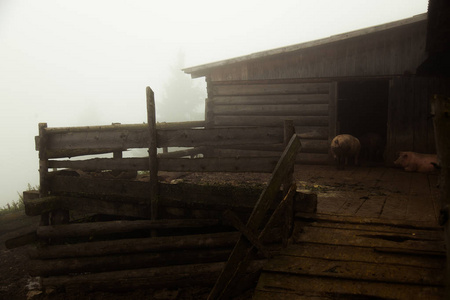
(87, 62)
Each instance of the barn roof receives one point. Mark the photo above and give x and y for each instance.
(203, 70)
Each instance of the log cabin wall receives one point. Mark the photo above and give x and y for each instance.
(267, 104)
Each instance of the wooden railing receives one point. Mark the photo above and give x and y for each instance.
(67, 148)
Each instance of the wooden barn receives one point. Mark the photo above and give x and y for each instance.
(363, 81)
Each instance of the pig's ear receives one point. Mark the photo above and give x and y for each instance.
(404, 154)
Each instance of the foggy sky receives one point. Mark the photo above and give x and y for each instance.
(87, 62)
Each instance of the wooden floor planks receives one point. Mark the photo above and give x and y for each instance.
(375, 192)
(333, 257)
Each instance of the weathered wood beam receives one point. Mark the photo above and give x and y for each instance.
(99, 228)
(249, 234)
(276, 89)
(21, 240)
(242, 247)
(137, 245)
(272, 121)
(97, 164)
(274, 109)
(125, 261)
(271, 99)
(225, 164)
(219, 136)
(172, 276)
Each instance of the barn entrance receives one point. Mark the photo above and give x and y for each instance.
(362, 107)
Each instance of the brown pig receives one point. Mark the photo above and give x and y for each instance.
(343, 147)
(417, 162)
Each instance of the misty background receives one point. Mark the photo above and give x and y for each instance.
(87, 62)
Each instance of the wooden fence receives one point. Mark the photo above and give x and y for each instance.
(62, 148)
(126, 191)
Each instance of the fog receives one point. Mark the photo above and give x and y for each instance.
(70, 63)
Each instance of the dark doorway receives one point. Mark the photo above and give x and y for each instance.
(362, 107)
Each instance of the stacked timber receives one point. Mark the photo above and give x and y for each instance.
(109, 222)
(310, 105)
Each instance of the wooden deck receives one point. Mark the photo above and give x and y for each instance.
(374, 192)
(375, 236)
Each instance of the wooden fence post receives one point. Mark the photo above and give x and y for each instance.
(289, 131)
(243, 247)
(440, 107)
(43, 170)
(152, 153)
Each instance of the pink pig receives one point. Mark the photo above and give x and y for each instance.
(417, 162)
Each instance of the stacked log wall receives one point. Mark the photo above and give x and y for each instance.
(311, 106)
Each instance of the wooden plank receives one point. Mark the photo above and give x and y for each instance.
(272, 99)
(124, 261)
(179, 125)
(359, 270)
(102, 128)
(219, 136)
(371, 207)
(21, 240)
(432, 260)
(136, 245)
(428, 234)
(272, 121)
(367, 239)
(39, 206)
(277, 295)
(243, 246)
(272, 110)
(97, 164)
(290, 286)
(248, 89)
(99, 228)
(250, 235)
(398, 182)
(308, 146)
(170, 276)
(222, 164)
(420, 206)
(84, 140)
(368, 221)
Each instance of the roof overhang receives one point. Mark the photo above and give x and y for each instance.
(203, 70)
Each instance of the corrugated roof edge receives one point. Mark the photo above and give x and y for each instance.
(202, 70)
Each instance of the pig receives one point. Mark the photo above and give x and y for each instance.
(417, 162)
(343, 147)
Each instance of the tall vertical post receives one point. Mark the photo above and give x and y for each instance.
(440, 107)
(152, 153)
(43, 170)
(289, 131)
